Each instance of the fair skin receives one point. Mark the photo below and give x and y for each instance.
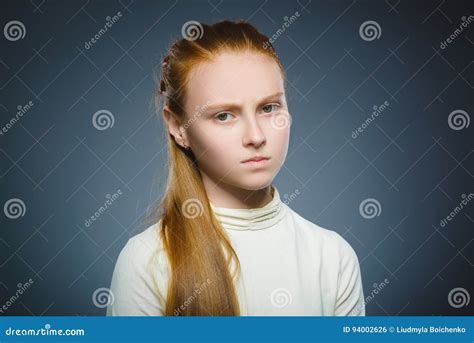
(235, 109)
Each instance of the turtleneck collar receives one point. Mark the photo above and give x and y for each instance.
(253, 218)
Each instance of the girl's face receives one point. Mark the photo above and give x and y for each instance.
(236, 110)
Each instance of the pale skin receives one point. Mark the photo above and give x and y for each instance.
(235, 106)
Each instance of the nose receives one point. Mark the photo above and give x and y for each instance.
(253, 134)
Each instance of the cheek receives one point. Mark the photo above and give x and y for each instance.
(279, 141)
(212, 144)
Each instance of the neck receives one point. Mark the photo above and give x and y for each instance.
(224, 195)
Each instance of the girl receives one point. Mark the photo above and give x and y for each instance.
(225, 243)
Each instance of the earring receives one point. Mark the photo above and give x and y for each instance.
(184, 144)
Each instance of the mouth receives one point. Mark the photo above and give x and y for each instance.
(258, 160)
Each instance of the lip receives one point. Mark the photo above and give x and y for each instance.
(257, 160)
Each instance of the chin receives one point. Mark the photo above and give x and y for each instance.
(254, 185)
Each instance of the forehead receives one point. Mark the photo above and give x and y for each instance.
(236, 77)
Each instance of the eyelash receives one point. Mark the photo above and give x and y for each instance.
(224, 112)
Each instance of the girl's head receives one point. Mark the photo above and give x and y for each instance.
(223, 103)
(224, 98)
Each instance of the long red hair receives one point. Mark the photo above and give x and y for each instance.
(197, 247)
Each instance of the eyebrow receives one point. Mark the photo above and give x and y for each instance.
(236, 105)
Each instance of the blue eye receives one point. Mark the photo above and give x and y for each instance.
(222, 115)
(270, 107)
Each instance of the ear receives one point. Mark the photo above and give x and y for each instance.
(174, 127)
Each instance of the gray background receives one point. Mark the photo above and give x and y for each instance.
(408, 159)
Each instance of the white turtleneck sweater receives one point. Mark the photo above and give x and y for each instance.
(289, 267)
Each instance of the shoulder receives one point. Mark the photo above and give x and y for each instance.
(336, 257)
(328, 240)
(339, 263)
(143, 248)
(146, 241)
(139, 277)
